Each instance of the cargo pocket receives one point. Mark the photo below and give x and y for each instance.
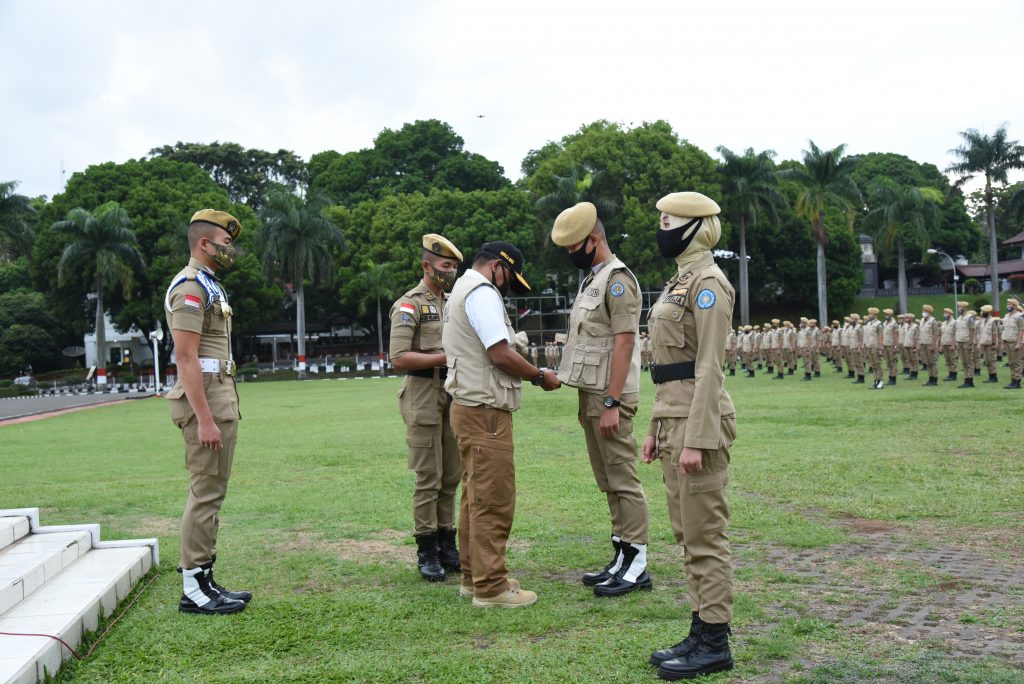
(422, 455)
(199, 460)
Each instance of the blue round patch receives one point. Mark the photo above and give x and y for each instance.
(617, 289)
(705, 299)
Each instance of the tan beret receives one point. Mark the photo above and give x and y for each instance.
(928, 308)
(803, 319)
(688, 205)
(962, 305)
(873, 310)
(855, 317)
(574, 224)
(221, 219)
(835, 322)
(441, 246)
(887, 312)
(948, 310)
(972, 312)
(1013, 300)
(787, 324)
(986, 309)
(775, 321)
(747, 328)
(910, 316)
(812, 321)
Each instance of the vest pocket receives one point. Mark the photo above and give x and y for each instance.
(589, 369)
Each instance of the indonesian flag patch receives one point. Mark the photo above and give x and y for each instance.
(407, 308)
(193, 302)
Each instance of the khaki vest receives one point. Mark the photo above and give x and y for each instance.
(871, 329)
(889, 333)
(472, 379)
(1011, 326)
(587, 362)
(964, 326)
(948, 332)
(910, 336)
(985, 330)
(927, 331)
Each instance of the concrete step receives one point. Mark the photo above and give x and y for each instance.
(12, 528)
(66, 606)
(35, 559)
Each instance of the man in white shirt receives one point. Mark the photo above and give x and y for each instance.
(484, 377)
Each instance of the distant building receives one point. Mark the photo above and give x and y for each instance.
(869, 283)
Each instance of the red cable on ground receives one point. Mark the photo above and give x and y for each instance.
(101, 636)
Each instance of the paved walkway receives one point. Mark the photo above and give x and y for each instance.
(26, 407)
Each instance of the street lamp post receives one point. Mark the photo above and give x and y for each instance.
(156, 336)
(955, 276)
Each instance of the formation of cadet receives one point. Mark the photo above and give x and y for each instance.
(881, 343)
(204, 405)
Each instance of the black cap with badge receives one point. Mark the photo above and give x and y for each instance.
(509, 255)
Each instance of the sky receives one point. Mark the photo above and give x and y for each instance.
(88, 82)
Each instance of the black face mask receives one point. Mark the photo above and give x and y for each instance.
(581, 258)
(503, 288)
(671, 241)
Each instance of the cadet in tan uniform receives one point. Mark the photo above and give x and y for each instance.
(415, 348)
(693, 424)
(204, 404)
(789, 347)
(965, 340)
(837, 346)
(857, 347)
(988, 342)
(910, 341)
(814, 341)
(948, 343)
(484, 378)
(801, 347)
(890, 330)
(747, 347)
(929, 334)
(872, 341)
(731, 351)
(602, 361)
(1012, 335)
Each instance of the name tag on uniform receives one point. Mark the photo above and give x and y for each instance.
(677, 296)
(428, 312)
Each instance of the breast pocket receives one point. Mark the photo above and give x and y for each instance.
(670, 328)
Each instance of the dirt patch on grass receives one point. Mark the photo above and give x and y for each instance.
(865, 525)
(156, 526)
(386, 547)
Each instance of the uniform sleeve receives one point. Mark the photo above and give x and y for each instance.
(486, 313)
(188, 307)
(712, 313)
(623, 299)
(405, 316)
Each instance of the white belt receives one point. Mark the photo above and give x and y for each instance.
(216, 365)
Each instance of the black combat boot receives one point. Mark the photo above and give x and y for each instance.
(780, 376)
(860, 379)
(876, 385)
(913, 375)
(447, 550)
(790, 371)
(243, 596)
(592, 578)
(199, 597)
(684, 646)
(771, 370)
(850, 374)
(906, 371)
(732, 371)
(892, 379)
(933, 381)
(1014, 384)
(968, 382)
(992, 377)
(427, 559)
(630, 576)
(950, 377)
(817, 374)
(711, 654)
(750, 374)
(807, 377)
(759, 366)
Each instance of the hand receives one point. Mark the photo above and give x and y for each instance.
(609, 422)
(551, 381)
(648, 450)
(689, 461)
(209, 436)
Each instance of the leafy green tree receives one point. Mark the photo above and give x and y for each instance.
(32, 334)
(825, 179)
(991, 156)
(15, 232)
(248, 175)
(375, 282)
(103, 245)
(900, 215)
(418, 157)
(572, 189)
(299, 243)
(749, 190)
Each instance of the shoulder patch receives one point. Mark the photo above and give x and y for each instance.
(705, 299)
(407, 309)
(617, 289)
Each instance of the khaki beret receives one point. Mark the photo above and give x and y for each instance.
(747, 328)
(574, 224)
(1013, 300)
(909, 316)
(972, 312)
(441, 246)
(948, 310)
(963, 305)
(767, 326)
(221, 219)
(887, 312)
(835, 322)
(787, 324)
(928, 308)
(986, 309)
(873, 310)
(775, 321)
(803, 319)
(812, 321)
(688, 205)
(855, 317)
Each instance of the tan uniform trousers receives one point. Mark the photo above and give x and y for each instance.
(890, 360)
(790, 359)
(815, 357)
(699, 514)
(875, 361)
(488, 495)
(209, 470)
(613, 461)
(1015, 359)
(949, 351)
(988, 353)
(930, 358)
(433, 453)
(966, 352)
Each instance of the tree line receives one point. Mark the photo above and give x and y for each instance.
(334, 239)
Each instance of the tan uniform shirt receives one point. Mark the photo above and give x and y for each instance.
(929, 331)
(965, 325)
(196, 302)
(872, 329)
(986, 330)
(889, 329)
(416, 323)
(910, 335)
(1011, 326)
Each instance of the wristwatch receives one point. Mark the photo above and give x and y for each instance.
(538, 380)
(611, 402)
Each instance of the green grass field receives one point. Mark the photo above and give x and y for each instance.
(837, 495)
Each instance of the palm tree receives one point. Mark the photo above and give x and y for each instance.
(574, 188)
(826, 179)
(376, 281)
(102, 244)
(993, 156)
(749, 188)
(901, 216)
(298, 240)
(15, 233)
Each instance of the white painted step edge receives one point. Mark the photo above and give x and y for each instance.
(15, 527)
(93, 529)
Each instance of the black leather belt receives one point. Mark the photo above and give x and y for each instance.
(428, 373)
(665, 372)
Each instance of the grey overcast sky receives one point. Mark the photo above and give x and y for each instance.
(86, 82)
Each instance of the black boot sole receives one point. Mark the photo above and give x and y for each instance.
(647, 585)
(676, 676)
(593, 580)
(227, 609)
